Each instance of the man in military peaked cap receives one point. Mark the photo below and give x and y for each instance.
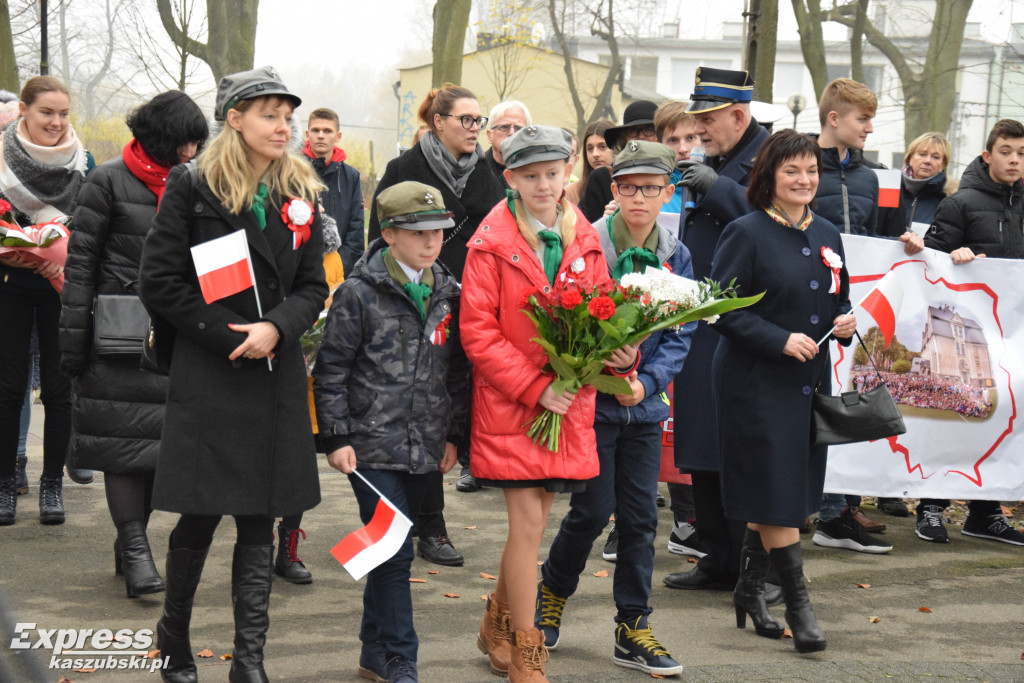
(731, 137)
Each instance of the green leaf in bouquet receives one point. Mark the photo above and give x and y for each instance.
(625, 315)
(705, 310)
(592, 370)
(609, 384)
(609, 329)
(561, 368)
(572, 361)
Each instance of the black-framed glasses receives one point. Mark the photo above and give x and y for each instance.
(468, 120)
(627, 190)
(641, 131)
(508, 128)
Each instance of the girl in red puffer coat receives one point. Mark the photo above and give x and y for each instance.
(527, 243)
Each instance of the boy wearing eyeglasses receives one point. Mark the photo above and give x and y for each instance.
(627, 426)
(506, 118)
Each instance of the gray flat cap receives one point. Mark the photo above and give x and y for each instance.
(246, 85)
(536, 143)
(641, 156)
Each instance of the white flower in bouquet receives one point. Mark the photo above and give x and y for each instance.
(668, 291)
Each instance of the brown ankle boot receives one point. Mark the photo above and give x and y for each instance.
(495, 639)
(528, 657)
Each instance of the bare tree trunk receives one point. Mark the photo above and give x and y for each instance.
(65, 60)
(44, 40)
(231, 41)
(451, 17)
(8, 64)
(857, 42)
(101, 73)
(812, 43)
(761, 41)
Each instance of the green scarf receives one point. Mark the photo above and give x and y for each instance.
(258, 208)
(552, 253)
(632, 258)
(418, 292)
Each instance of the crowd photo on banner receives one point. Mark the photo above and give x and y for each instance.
(227, 310)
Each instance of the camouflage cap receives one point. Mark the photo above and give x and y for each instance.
(413, 206)
(246, 85)
(641, 156)
(536, 143)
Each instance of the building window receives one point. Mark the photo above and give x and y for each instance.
(643, 72)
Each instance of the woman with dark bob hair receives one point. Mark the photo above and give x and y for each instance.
(118, 410)
(765, 372)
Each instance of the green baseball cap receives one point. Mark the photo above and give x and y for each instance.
(641, 156)
(413, 206)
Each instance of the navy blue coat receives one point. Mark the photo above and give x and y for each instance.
(860, 185)
(343, 201)
(696, 444)
(771, 474)
(919, 208)
(662, 354)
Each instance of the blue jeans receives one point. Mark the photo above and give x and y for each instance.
(630, 457)
(832, 505)
(387, 598)
(25, 423)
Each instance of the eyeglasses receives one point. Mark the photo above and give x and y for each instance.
(509, 128)
(644, 131)
(647, 190)
(468, 120)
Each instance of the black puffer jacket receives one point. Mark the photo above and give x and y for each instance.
(119, 409)
(382, 382)
(848, 195)
(986, 216)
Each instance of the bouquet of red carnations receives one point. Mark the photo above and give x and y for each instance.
(35, 243)
(580, 325)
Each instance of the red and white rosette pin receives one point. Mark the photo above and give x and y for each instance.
(297, 214)
(440, 334)
(834, 263)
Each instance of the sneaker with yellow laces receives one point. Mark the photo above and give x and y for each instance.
(637, 648)
(548, 614)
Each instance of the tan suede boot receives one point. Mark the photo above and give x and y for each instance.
(495, 639)
(528, 657)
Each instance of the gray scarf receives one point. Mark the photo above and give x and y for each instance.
(37, 186)
(453, 173)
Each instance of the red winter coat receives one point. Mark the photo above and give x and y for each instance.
(507, 376)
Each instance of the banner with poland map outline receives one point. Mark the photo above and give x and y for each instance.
(955, 368)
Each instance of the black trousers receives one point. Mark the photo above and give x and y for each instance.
(20, 309)
(721, 538)
(431, 521)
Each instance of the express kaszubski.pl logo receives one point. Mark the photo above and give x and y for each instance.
(85, 648)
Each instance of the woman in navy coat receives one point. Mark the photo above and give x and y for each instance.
(765, 372)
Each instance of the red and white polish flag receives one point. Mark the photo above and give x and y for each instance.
(223, 266)
(883, 304)
(374, 544)
(889, 186)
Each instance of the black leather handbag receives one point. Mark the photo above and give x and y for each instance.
(851, 417)
(120, 326)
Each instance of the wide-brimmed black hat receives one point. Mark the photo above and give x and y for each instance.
(717, 88)
(639, 113)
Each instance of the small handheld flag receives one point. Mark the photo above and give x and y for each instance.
(883, 304)
(377, 542)
(223, 266)
(889, 186)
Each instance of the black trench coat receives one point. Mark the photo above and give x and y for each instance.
(237, 438)
(771, 474)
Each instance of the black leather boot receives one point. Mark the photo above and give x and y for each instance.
(251, 571)
(51, 499)
(288, 564)
(136, 560)
(8, 500)
(184, 567)
(749, 598)
(789, 563)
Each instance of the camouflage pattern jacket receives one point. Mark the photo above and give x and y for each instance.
(386, 382)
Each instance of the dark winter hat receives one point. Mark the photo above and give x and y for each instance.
(246, 85)
(641, 156)
(718, 88)
(536, 143)
(639, 113)
(413, 206)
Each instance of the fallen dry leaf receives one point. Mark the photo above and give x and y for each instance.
(152, 654)
(483, 597)
(923, 609)
(485, 575)
(84, 671)
(692, 560)
(65, 679)
(1007, 512)
(601, 574)
(451, 595)
(960, 502)
(469, 528)
(417, 580)
(1021, 656)
(434, 571)
(540, 563)
(863, 585)
(786, 633)
(225, 657)
(656, 676)
(874, 620)
(204, 653)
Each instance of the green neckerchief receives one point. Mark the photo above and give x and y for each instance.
(419, 293)
(258, 208)
(632, 258)
(552, 253)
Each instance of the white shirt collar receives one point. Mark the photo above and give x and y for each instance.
(414, 275)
